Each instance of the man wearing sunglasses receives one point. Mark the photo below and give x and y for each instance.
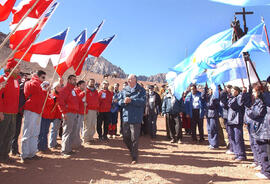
(35, 92)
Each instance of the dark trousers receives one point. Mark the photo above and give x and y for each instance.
(7, 132)
(43, 134)
(152, 125)
(121, 121)
(221, 138)
(103, 118)
(212, 128)
(113, 123)
(196, 120)
(167, 126)
(238, 145)
(229, 136)
(14, 146)
(144, 125)
(263, 152)
(131, 134)
(175, 126)
(253, 145)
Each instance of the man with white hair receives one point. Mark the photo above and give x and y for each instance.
(132, 99)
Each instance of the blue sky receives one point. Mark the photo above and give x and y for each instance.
(152, 35)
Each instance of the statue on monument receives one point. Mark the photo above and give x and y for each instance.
(237, 32)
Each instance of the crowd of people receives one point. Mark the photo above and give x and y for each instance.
(76, 110)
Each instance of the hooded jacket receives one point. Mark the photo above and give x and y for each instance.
(34, 95)
(68, 100)
(9, 95)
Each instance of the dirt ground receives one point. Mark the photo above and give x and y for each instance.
(159, 162)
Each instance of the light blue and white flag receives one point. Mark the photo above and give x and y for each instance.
(228, 70)
(244, 3)
(184, 79)
(252, 41)
(209, 47)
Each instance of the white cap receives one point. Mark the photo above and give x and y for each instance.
(55, 85)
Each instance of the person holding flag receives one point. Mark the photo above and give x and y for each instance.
(9, 103)
(35, 92)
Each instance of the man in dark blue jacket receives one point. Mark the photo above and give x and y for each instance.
(132, 99)
(171, 108)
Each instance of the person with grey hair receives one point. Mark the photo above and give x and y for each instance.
(132, 99)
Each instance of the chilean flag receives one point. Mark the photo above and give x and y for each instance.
(43, 51)
(27, 25)
(5, 8)
(67, 53)
(79, 60)
(25, 5)
(97, 48)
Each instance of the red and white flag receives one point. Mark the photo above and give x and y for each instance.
(97, 48)
(35, 25)
(68, 53)
(23, 7)
(5, 8)
(43, 51)
(79, 60)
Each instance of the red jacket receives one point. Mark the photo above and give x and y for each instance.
(34, 95)
(105, 100)
(92, 99)
(47, 113)
(56, 110)
(9, 96)
(68, 100)
(81, 96)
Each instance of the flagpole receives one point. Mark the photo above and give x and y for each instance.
(89, 47)
(15, 50)
(267, 38)
(95, 60)
(20, 22)
(245, 55)
(43, 107)
(81, 61)
(252, 66)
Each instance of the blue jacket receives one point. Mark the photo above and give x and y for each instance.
(189, 106)
(115, 106)
(224, 96)
(236, 110)
(169, 108)
(257, 115)
(133, 112)
(211, 106)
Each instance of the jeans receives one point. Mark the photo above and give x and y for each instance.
(131, 134)
(43, 135)
(31, 128)
(212, 128)
(54, 132)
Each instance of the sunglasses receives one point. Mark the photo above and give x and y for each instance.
(43, 77)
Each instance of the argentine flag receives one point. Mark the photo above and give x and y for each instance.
(209, 47)
(252, 41)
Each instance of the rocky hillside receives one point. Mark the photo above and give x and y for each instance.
(101, 66)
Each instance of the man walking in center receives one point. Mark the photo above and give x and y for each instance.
(132, 99)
